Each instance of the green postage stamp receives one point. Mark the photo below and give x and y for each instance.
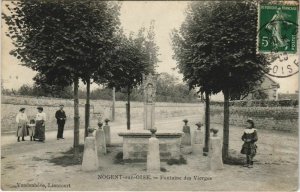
(278, 27)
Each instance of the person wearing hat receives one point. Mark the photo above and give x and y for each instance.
(22, 121)
(61, 117)
(249, 147)
(40, 120)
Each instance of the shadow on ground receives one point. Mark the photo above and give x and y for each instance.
(68, 158)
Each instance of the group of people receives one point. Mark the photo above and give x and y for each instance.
(35, 128)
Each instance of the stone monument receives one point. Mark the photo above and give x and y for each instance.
(141, 145)
(90, 160)
(198, 139)
(100, 140)
(215, 152)
(106, 129)
(153, 158)
(149, 87)
(186, 139)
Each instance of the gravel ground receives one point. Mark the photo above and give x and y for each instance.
(275, 167)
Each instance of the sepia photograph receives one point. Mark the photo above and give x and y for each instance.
(149, 95)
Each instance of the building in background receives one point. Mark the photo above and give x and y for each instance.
(288, 96)
(267, 90)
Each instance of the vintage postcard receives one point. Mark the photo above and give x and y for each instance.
(149, 95)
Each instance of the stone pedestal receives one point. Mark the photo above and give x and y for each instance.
(148, 116)
(100, 141)
(215, 153)
(153, 159)
(90, 157)
(106, 129)
(186, 138)
(197, 142)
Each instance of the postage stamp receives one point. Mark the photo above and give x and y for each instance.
(278, 27)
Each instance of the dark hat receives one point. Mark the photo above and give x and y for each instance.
(22, 109)
(61, 105)
(185, 120)
(249, 120)
(39, 107)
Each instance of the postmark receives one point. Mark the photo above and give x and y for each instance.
(278, 28)
(282, 64)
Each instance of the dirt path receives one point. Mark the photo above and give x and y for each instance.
(276, 166)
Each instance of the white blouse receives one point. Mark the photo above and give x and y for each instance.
(40, 116)
(21, 116)
(249, 131)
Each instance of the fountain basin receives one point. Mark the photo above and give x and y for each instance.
(135, 145)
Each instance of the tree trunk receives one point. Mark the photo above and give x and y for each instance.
(226, 125)
(128, 108)
(113, 103)
(76, 119)
(87, 108)
(207, 124)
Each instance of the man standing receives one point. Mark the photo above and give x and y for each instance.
(60, 116)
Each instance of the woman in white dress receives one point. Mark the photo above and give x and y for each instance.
(22, 121)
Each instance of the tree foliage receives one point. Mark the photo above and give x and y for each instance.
(136, 55)
(168, 89)
(64, 41)
(45, 91)
(216, 47)
(216, 51)
(73, 37)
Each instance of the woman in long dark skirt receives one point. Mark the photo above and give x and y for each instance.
(40, 120)
(249, 147)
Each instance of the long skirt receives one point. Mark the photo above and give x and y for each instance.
(39, 130)
(22, 130)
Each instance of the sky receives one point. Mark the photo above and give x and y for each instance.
(134, 15)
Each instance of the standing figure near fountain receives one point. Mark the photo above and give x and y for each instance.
(186, 139)
(249, 147)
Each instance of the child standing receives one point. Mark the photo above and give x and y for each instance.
(249, 147)
(31, 128)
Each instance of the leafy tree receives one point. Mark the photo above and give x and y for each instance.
(168, 89)
(26, 90)
(135, 56)
(63, 37)
(260, 94)
(216, 51)
(52, 86)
